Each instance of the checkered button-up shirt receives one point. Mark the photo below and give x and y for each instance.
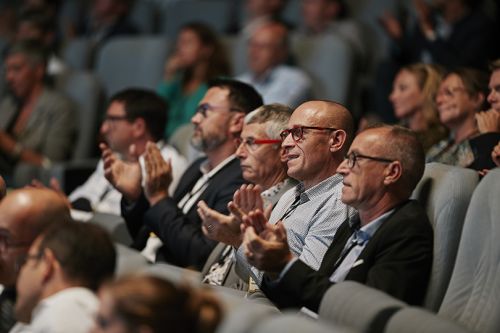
(310, 226)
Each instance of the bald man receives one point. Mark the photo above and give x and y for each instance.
(315, 142)
(24, 214)
(388, 246)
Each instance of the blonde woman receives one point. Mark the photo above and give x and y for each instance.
(414, 101)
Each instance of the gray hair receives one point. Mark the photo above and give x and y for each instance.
(32, 50)
(275, 116)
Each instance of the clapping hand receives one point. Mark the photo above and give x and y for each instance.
(246, 199)
(219, 227)
(125, 176)
(265, 246)
(158, 174)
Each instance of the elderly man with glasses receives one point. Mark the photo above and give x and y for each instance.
(152, 214)
(260, 155)
(388, 246)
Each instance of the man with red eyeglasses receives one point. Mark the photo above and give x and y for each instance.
(315, 142)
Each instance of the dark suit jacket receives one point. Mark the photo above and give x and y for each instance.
(183, 241)
(397, 260)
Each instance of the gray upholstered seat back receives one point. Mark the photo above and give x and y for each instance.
(416, 320)
(329, 60)
(126, 62)
(445, 193)
(243, 315)
(355, 305)
(296, 323)
(473, 295)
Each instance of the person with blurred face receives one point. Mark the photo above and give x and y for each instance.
(198, 57)
(494, 85)
(24, 214)
(277, 82)
(37, 124)
(38, 24)
(327, 17)
(64, 266)
(387, 245)
(173, 218)
(489, 120)
(148, 304)
(107, 19)
(461, 95)
(134, 117)
(256, 12)
(260, 154)
(413, 99)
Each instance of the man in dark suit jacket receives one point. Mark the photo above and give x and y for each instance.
(214, 178)
(388, 247)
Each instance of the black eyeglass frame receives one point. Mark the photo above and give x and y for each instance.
(352, 157)
(297, 132)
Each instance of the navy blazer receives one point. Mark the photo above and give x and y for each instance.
(397, 260)
(183, 241)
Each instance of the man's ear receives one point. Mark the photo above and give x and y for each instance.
(139, 127)
(337, 140)
(51, 265)
(236, 123)
(479, 100)
(392, 173)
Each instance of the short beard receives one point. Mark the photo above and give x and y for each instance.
(208, 144)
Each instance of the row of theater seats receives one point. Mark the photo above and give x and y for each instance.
(139, 61)
(464, 291)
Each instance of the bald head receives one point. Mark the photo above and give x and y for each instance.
(316, 141)
(24, 214)
(328, 114)
(33, 210)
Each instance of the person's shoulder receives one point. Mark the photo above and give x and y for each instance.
(412, 215)
(58, 99)
(291, 74)
(65, 311)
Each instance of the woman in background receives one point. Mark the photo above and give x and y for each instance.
(461, 95)
(413, 98)
(199, 56)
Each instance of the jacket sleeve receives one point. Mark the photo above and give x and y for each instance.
(181, 233)
(133, 214)
(61, 133)
(300, 286)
